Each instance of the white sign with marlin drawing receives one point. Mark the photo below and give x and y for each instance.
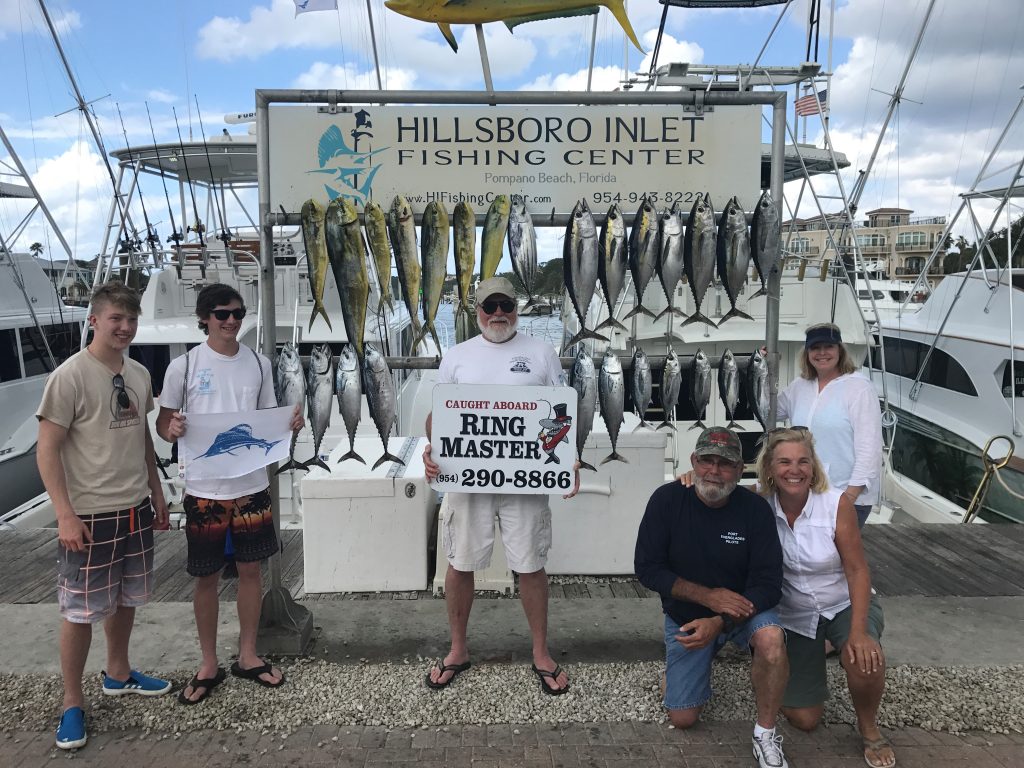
(551, 155)
(223, 445)
(503, 439)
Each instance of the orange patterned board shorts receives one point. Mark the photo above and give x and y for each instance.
(207, 522)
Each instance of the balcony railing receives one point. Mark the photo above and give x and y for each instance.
(929, 220)
(914, 246)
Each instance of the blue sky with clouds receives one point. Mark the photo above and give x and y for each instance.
(128, 52)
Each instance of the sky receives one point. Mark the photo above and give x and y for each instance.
(126, 54)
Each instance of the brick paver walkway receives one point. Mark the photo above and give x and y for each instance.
(597, 745)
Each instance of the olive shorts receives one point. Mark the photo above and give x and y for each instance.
(808, 682)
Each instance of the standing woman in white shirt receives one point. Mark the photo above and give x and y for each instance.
(826, 590)
(841, 410)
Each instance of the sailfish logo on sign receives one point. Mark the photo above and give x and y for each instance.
(351, 168)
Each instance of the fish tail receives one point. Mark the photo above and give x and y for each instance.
(350, 455)
(762, 291)
(319, 309)
(639, 309)
(643, 423)
(698, 317)
(733, 425)
(618, 9)
(674, 310)
(584, 465)
(734, 312)
(388, 457)
(614, 456)
(583, 334)
(291, 464)
(611, 322)
(316, 461)
(667, 423)
(697, 425)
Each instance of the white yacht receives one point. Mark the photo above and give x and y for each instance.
(37, 332)
(954, 375)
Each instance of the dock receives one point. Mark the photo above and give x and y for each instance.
(906, 561)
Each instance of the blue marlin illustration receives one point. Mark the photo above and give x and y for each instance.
(239, 436)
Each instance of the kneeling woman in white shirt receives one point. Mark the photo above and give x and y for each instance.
(826, 589)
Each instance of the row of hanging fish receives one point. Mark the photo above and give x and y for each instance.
(334, 240)
(661, 244)
(356, 374)
(605, 390)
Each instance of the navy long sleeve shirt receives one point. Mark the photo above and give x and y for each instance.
(735, 546)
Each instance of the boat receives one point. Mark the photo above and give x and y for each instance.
(954, 376)
(38, 331)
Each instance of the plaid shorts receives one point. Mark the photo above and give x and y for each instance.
(115, 569)
(206, 529)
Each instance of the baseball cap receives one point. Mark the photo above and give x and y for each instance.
(719, 441)
(823, 334)
(493, 286)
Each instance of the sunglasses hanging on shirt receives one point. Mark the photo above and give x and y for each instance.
(122, 394)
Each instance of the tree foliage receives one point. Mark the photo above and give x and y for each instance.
(960, 259)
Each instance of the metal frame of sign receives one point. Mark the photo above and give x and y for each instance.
(279, 608)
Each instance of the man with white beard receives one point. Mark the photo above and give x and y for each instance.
(712, 552)
(498, 356)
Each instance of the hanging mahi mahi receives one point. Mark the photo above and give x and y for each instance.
(444, 13)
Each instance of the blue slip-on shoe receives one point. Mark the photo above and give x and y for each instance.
(143, 685)
(71, 730)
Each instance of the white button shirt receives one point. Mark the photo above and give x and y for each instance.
(813, 579)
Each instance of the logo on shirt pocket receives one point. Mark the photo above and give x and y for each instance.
(733, 537)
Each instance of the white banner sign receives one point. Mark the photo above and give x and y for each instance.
(552, 155)
(223, 445)
(507, 439)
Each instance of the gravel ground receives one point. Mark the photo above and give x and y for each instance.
(393, 695)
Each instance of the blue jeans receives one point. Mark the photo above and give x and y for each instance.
(688, 673)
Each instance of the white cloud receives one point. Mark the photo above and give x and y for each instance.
(22, 16)
(75, 187)
(161, 96)
(266, 30)
(672, 50)
(605, 79)
(347, 77)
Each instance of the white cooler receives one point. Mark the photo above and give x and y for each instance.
(366, 530)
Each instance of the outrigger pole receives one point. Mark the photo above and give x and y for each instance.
(285, 624)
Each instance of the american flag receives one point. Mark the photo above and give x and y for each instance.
(808, 105)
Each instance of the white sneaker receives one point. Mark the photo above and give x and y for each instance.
(768, 750)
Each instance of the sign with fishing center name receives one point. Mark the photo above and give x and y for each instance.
(503, 439)
(551, 155)
(222, 445)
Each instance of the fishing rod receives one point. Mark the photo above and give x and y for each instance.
(225, 234)
(175, 236)
(152, 238)
(198, 228)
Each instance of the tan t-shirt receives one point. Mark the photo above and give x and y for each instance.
(104, 454)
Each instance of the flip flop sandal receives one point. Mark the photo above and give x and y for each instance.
(254, 674)
(455, 669)
(207, 684)
(543, 673)
(875, 745)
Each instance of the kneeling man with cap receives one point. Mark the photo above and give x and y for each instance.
(712, 552)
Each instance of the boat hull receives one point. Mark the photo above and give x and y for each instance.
(952, 467)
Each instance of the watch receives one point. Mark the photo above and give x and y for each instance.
(727, 623)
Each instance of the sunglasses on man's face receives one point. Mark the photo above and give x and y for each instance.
(122, 395)
(223, 314)
(490, 306)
